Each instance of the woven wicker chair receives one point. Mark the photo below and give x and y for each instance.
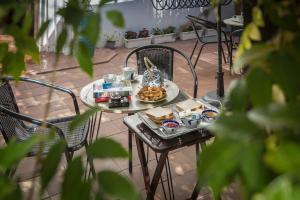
(15, 125)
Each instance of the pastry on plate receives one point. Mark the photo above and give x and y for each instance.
(153, 93)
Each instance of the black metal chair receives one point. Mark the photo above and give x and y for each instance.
(162, 57)
(196, 22)
(233, 34)
(14, 125)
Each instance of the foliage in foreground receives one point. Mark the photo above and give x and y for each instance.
(258, 133)
(106, 184)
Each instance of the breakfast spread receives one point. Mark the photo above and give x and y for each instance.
(152, 93)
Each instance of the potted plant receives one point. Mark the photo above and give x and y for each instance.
(161, 36)
(111, 40)
(132, 39)
(187, 32)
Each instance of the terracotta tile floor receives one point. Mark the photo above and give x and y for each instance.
(32, 99)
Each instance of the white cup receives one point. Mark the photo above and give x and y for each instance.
(128, 73)
(109, 78)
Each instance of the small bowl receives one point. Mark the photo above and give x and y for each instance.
(190, 121)
(170, 126)
(210, 114)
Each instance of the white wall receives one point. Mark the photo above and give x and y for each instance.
(140, 14)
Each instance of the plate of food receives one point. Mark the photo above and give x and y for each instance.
(151, 94)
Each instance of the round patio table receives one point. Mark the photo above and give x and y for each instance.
(233, 22)
(86, 96)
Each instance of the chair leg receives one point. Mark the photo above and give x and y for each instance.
(226, 42)
(196, 61)
(230, 56)
(194, 50)
(68, 156)
(224, 57)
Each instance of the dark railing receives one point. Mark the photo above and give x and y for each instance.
(180, 4)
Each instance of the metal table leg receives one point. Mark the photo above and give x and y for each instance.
(197, 186)
(130, 149)
(142, 157)
(157, 174)
(150, 187)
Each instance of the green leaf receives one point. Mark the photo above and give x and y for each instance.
(237, 97)
(259, 86)
(27, 23)
(14, 152)
(91, 29)
(279, 189)
(9, 189)
(73, 187)
(13, 64)
(284, 71)
(218, 163)
(284, 158)
(277, 116)
(72, 13)
(51, 163)
(106, 148)
(108, 180)
(61, 40)
(83, 118)
(19, 13)
(3, 51)
(25, 44)
(116, 18)
(254, 32)
(42, 29)
(257, 16)
(31, 49)
(258, 52)
(82, 54)
(252, 167)
(237, 126)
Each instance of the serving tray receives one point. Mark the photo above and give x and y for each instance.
(181, 130)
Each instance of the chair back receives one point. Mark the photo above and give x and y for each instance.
(160, 56)
(9, 126)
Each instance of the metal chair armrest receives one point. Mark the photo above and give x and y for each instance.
(34, 121)
(42, 83)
